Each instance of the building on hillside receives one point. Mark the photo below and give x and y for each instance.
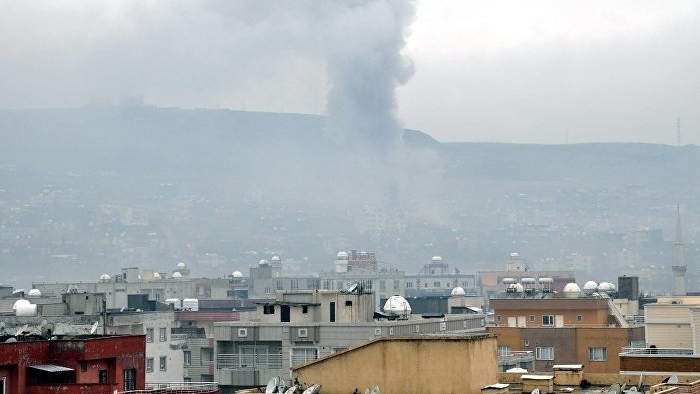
(82, 364)
(567, 328)
(300, 326)
(407, 364)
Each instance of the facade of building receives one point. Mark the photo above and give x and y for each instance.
(407, 364)
(572, 329)
(301, 326)
(80, 365)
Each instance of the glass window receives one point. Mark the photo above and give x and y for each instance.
(207, 354)
(532, 318)
(301, 355)
(547, 320)
(103, 376)
(382, 285)
(129, 379)
(544, 353)
(597, 353)
(187, 357)
(579, 318)
(163, 363)
(149, 335)
(396, 285)
(163, 335)
(149, 364)
(503, 350)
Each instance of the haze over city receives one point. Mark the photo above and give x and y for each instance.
(214, 132)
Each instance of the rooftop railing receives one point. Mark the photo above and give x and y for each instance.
(655, 352)
(515, 357)
(177, 388)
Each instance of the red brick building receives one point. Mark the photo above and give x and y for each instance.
(80, 365)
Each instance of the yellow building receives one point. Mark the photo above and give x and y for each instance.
(407, 364)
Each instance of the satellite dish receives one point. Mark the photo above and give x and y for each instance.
(673, 379)
(93, 329)
(47, 329)
(352, 287)
(375, 390)
(22, 330)
(272, 385)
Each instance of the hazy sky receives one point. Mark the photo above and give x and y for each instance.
(508, 71)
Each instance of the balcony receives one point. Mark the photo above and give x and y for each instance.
(520, 358)
(249, 361)
(177, 388)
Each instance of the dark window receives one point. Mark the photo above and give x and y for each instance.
(285, 314)
(305, 309)
(103, 376)
(348, 302)
(332, 311)
(83, 366)
(268, 309)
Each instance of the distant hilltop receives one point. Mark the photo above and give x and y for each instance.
(134, 138)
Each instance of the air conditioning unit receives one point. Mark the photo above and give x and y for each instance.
(303, 332)
(242, 332)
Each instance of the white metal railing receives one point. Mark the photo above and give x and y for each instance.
(655, 351)
(516, 357)
(178, 337)
(247, 361)
(176, 388)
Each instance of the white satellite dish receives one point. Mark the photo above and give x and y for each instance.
(313, 389)
(375, 390)
(673, 379)
(93, 329)
(291, 390)
(23, 330)
(272, 385)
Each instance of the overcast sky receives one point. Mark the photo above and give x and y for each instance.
(507, 71)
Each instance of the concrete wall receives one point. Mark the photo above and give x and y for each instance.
(407, 365)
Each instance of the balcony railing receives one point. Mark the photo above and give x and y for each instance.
(249, 361)
(178, 337)
(177, 388)
(655, 352)
(516, 357)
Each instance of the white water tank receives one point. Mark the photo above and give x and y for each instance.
(24, 308)
(175, 302)
(190, 304)
(398, 305)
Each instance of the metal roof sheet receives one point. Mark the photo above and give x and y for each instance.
(51, 368)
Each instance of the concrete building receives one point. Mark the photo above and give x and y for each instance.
(571, 328)
(300, 326)
(79, 365)
(438, 279)
(407, 364)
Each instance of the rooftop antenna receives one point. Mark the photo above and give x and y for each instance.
(678, 131)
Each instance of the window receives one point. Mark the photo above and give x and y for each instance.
(301, 355)
(242, 332)
(103, 376)
(268, 309)
(532, 318)
(396, 285)
(187, 379)
(498, 318)
(268, 290)
(129, 379)
(83, 366)
(305, 309)
(280, 284)
(149, 335)
(187, 357)
(579, 318)
(409, 285)
(163, 363)
(149, 364)
(207, 355)
(503, 350)
(206, 377)
(547, 320)
(544, 353)
(526, 342)
(436, 284)
(597, 353)
(163, 335)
